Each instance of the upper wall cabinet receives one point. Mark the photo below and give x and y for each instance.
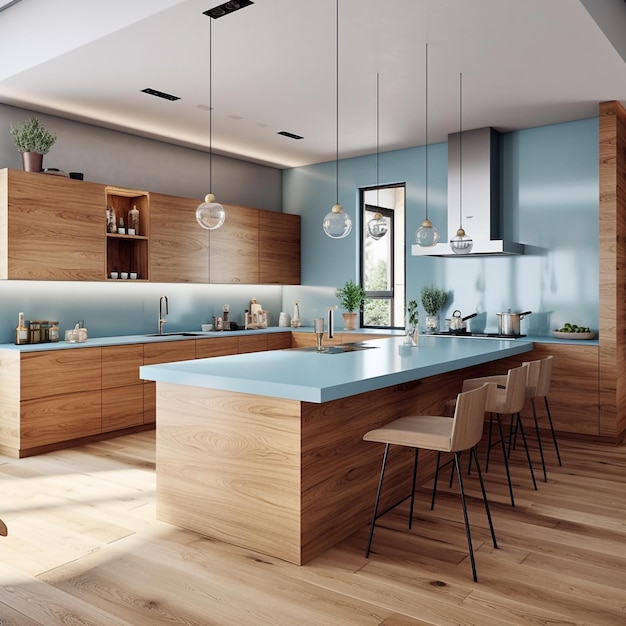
(179, 246)
(51, 227)
(234, 247)
(279, 248)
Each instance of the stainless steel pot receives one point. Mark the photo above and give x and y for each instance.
(509, 323)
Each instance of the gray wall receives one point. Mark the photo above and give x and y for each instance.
(125, 160)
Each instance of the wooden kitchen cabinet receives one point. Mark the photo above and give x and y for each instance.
(162, 352)
(279, 341)
(216, 346)
(279, 248)
(234, 247)
(51, 227)
(252, 343)
(122, 389)
(179, 246)
(59, 397)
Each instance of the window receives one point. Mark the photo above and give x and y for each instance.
(382, 260)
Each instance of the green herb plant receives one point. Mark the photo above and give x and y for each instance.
(413, 314)
(31, 136)
(433, 299)
(351, 296)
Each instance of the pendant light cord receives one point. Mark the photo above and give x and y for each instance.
(337, 100)
(210, 106)
(461, 150)
(426, 122)
(377, 138)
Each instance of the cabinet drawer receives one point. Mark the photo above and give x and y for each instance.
(221, 346)
(149, 402)
(120, 365)
(279, 341)
(254, 343)
(60, 418)
(168, 352)
(57, 372)
(122, 407)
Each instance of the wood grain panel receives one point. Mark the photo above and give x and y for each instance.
(279, 248)
(218, 346)
(251, 343)
(229, 465)
(55, 228)
(168, 351)
(4, 222)
(612, 222)
(122, 407)
(120, 365)
(149, 402)
(279, 341)
(9, 401)
(60, 418)
(234, 247)
(54, 372)
(179, 246)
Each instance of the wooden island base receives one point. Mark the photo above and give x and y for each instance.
(285, 478)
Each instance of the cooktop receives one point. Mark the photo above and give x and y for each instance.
(454, 333)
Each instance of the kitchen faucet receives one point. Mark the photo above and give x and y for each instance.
(331, 321)
(162, 320)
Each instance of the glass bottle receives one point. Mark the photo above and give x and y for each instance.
(54, 332)
(21, 332)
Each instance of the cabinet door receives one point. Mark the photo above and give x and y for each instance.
(162, 352)
(252, 343)
(234, 247)
(218, 346)
(179, 246)
(55, 227)
(279, 248)
(120, 365)
(279, 341)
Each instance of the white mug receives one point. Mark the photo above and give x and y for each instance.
(133, 275)
(124, 275)
(114, 274)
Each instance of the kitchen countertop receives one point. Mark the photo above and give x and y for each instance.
(306, 375)
(95, 342)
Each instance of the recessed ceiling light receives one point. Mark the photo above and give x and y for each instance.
(284, 133)
(227, 7)
(160, 94)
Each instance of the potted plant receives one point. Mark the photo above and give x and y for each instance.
(33, 141)
(433, 300)
(412, 323)
(351, 298)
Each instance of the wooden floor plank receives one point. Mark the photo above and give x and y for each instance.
(84, 547)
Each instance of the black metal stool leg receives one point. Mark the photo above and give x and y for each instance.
(380, 485)
(432, 500)
(530, 463)
(489, 444)
(485, 501)
(556, 445)
(417, 450)
(459, 473)
(543, 461)
(506, 460)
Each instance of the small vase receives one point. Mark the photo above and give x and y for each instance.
(349, 320)
(412, 336)
(432, 323)
(32, 161)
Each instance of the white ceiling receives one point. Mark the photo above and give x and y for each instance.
(525, 63)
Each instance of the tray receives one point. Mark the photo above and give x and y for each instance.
(560, 335)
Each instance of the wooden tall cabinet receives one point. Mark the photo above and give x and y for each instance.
(179, 246)
(279, 248)
(51, 227)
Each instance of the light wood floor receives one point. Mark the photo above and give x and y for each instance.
(84, 548)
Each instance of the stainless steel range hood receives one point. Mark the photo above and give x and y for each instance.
(481, 190)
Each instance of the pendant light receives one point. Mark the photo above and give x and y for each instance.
(426, 235)
(377, 227)
(210, 214)
(337, 223)
(461, 243)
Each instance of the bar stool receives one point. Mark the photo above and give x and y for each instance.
(538, 383)
(508, 400)
(440, 433)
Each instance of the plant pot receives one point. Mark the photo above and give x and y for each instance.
(349, 320)
(32, 161)
(412, 336)
(432, 323)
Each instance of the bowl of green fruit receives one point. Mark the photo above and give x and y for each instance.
(573, 331)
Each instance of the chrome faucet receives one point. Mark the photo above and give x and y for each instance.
(331, 321)
(163, 300)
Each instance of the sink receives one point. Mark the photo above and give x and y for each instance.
(340, 349)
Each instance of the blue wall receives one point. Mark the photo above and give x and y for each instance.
(549, 194)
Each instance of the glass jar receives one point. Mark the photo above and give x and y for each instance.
(53, 333)
(34, 332)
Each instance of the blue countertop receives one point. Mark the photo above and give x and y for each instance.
(304, 374)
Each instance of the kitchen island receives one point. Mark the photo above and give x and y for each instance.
(265, 450)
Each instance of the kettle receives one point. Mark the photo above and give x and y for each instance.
(458, 323)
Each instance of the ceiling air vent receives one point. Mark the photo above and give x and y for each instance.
(284, 133)
(160, 94)
(226, 8)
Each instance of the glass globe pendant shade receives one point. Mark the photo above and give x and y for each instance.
(426, 235)
(210, 214)
(337, 224)
(461, 244)
(377, 227)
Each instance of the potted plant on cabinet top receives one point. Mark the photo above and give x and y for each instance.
(412, 323)
(433, 300)
(33, 141)
(351, 298)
